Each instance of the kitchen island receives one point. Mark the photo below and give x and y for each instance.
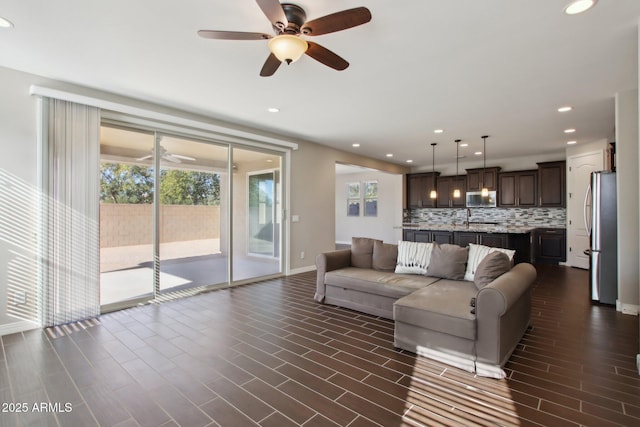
(519, 238)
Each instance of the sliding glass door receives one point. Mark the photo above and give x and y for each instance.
(257, 208)
(127, 187)
(262, 233)
(178, 213)
(192, 214)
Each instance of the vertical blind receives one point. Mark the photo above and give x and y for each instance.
(69, 246)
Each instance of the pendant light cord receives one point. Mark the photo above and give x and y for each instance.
(484, 163)
(433, 169)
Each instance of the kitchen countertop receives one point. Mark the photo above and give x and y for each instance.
(477, 228)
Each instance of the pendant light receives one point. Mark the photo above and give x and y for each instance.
(456, 191)
(433, 194)
(485, 191)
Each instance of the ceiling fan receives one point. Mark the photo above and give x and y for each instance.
(289, 23)
(174, 158)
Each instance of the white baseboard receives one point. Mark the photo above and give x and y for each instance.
(627, 308)
(302, 270)
(15, 327)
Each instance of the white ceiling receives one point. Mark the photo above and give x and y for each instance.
(496, 67)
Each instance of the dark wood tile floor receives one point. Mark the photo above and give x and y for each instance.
(266, 354)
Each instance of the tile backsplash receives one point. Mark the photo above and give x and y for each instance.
(537, 217)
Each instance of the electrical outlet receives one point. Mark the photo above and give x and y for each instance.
(302, 255)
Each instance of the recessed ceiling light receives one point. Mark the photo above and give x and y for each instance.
(389, 155)
(409, 161)
(5, 23)
(355, 145)
(569, 130)
(438, 131)
(273, 110)
(571, 142)
(565, 109)
(478, 153)
(269, 161)
(579, 6)
(464, 144)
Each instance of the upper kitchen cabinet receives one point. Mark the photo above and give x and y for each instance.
(419, 186)
(446, 185)
(517, 189)
(551, 184)
(487, 177)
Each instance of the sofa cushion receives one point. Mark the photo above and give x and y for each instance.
(385, 256)
(442, 306)
(362, 252)
(447, 261)
(492, 266)
(413, 257)
(477, 254)
(377, 282)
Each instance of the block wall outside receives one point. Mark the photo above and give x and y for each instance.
(127, 225)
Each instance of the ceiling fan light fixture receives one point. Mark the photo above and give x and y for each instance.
(288, 48)
(579, 6)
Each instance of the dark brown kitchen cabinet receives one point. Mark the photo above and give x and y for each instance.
(551, 184)
(463, 238)
(442, 237)
(418, 187)
(523, 244)
(517, 189)
(494, 240)
(446, 185)
(551, 245)
(477, 178)
(428, 236)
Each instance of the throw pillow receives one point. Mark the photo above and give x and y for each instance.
(385, 256)
(413, 257)
(491, 267)
(477, 254)
(362, 252)
(447, 261)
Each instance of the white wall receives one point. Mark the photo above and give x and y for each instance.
(386, 225)
(628, 201)
(601, 145)
(313, 199)
(18, 200)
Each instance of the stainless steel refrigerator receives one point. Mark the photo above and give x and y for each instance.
(602, 223)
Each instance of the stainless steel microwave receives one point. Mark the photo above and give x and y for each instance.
(475, 200)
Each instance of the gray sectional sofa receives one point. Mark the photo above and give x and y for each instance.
(473, 324)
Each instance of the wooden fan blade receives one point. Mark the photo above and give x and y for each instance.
(274, 12)
(337, 21)
(232, 35)
(270, 66)
(327, 57)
